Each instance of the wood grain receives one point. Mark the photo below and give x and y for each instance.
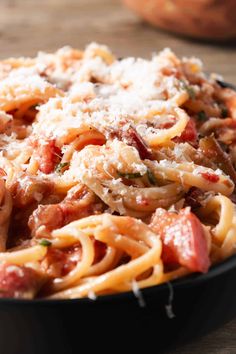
(27, 26)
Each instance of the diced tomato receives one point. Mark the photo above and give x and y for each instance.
(132, 138)
(47, 154)
(183, 238)
(210, 177)
(18, 281)
(189, 134)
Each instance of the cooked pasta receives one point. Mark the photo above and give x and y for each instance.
(115, 174)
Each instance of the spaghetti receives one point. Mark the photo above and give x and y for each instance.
(115, 175)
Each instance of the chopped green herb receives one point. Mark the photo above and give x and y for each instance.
(45, 243)
(189, 89)
(202, 116)
(191, 92)
(151, 177)
(60, 167)
(129, 175)
(224, 112)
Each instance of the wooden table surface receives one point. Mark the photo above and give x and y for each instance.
(27, 26)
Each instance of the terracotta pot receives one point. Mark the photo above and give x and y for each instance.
(207, 19)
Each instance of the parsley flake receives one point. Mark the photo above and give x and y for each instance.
(61, 166)
(151, 177)
(201, 116)
(129, 175)
(188, 89)
(45, 243)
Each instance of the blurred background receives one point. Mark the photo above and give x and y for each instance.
(27, 26)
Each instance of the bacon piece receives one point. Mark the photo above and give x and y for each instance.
(47, 154)
(51, 216)
(183, 238)
(19, 281)
(212, 150)
(131, 137)
(74, 206)
(29, 189)
(224, 129)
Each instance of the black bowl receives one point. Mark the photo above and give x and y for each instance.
(200, 304)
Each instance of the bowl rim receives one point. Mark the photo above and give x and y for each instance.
(191, 280)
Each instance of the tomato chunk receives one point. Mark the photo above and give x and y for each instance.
(210, 177)
(131, 137)
(18, 281)
(73, 207)
(47, 154)
(189, 134)
(183, 238)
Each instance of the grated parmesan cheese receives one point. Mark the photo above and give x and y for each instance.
(168, 307)
(138, 294)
